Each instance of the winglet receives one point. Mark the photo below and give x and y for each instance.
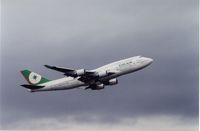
(48, 66)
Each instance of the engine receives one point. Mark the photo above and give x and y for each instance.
(99, 87)
(95, 87)
(112, 82)
(102, 73)
(80, 72)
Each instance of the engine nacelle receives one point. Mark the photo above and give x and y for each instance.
(98, 87)
(112, 82)
(80, 72)
(102, 73)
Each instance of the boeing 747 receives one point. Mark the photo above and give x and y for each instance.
(95, 79)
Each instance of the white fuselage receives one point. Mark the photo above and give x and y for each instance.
(119, 68)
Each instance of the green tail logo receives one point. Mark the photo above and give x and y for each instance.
(34, 78)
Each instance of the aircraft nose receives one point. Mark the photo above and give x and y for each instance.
(149, 60)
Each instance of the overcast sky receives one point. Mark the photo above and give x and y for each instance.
(88, 34)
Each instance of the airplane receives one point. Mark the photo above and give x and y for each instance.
(95, 79)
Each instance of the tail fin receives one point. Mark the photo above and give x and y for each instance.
(33, 78)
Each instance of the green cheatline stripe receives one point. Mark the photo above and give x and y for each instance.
(26, 74)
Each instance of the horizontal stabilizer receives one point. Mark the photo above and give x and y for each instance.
(32, 87)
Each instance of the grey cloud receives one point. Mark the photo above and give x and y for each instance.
(89, 34)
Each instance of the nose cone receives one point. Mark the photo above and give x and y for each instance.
(149, 60)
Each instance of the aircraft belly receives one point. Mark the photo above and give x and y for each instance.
(68, 85)
(63, 85)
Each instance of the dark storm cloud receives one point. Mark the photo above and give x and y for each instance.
(88, 34)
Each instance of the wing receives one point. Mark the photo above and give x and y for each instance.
(72, 72)
(60, 69)
(84, 75)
